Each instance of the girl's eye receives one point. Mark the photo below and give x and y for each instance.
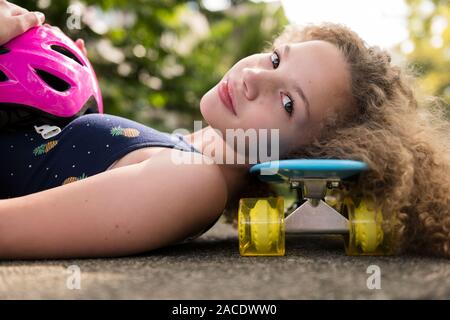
(288, 104)
(275, 59)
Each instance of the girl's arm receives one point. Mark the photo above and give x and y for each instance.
(118, 212)
(15, 20)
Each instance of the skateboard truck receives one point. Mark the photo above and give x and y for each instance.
(314, 215)
(320, 208)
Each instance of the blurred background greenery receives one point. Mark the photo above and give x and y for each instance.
(428, 47)
(155, 59)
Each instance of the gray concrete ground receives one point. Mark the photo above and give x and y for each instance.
(211, 268)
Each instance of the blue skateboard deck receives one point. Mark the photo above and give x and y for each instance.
(285, 170)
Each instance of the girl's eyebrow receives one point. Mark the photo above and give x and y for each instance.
(298, 89)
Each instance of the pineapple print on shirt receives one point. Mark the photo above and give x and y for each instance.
(45, 147)
(86, 146)
(73, 179)
(127, 132)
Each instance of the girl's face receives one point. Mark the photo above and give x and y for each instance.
(292, 89)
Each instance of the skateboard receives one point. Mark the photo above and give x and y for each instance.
(321, 207)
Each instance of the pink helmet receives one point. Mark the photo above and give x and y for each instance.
(45, 78)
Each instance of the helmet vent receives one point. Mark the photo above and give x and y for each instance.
(67, 53)
(3, 76)
(3, 50)
(53, 81)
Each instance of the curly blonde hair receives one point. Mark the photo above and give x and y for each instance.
(405, 143)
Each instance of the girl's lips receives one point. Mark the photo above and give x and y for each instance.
(224, 95)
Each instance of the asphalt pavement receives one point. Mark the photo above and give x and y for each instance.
(211, 268)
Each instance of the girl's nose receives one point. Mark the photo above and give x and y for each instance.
(253, 80)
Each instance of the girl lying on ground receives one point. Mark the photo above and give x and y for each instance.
(109, 186)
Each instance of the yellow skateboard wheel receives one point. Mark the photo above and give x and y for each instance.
(366, 236)
(261, 226)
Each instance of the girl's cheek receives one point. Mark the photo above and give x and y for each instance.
(263, 121)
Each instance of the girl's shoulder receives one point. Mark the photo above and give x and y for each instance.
(107, 127)
(101, 119)
(110, 124)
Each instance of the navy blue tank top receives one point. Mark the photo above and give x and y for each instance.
(86, 146)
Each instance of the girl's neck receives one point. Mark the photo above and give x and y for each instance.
(213, 145)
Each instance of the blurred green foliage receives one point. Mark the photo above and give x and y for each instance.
(155, 59)
(429, 34)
